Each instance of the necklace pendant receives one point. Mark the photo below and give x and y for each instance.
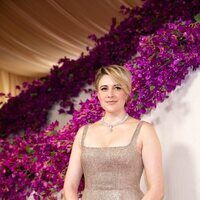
(111, 127)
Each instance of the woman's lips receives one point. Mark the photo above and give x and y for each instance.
(111, 102)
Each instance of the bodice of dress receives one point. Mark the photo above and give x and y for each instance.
(112, 172)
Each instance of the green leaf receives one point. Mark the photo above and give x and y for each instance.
(163, 89)
(34, 159)
(34, 94)
(30, 150)
(54, 132)
(70, 76)
(197, 17)
(152, 87)
(53, 190)
(135, 95)
(53, 153)
(139, 106)
(20, 155)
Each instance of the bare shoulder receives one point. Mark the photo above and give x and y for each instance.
(147, 125)
(148, 132)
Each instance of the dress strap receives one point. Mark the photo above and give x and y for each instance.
(84, 134)
(137, 131)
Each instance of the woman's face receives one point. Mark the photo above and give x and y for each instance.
(111, 95)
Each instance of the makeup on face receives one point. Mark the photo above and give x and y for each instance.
(111, 93)
(115, 86)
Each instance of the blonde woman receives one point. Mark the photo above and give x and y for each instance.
(113, 152)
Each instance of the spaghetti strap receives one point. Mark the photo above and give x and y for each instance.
(137, 131)
(84, 133)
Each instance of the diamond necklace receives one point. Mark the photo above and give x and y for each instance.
(114, 124)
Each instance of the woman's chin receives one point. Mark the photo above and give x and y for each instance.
(111, 109)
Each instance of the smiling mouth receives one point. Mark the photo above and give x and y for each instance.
(111, 102)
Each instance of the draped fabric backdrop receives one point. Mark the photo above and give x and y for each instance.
(35, 34)
(8, 82)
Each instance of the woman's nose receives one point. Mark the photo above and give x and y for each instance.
(110, 93)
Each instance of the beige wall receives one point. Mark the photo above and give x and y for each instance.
(177, 123)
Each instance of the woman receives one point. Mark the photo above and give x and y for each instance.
(113, 152)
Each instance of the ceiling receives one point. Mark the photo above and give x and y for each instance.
(35, 34)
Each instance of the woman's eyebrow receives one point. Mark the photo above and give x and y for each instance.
(113, 85)
(118, 84)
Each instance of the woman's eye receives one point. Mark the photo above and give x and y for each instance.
(117, 88)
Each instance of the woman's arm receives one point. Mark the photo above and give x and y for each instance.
(152, 158)
(74, 171)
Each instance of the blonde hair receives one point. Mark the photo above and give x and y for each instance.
(118, 73)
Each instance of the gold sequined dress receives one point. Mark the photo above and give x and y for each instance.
(112, 173)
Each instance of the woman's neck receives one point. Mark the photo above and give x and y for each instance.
(114, 117)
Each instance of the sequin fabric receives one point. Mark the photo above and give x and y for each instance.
(112, 173)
